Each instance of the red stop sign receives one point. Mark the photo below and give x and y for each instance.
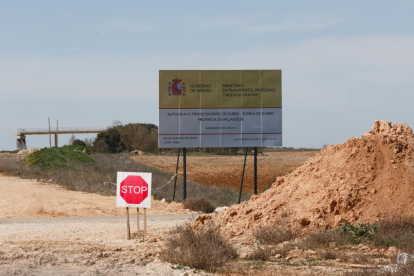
(134, 189)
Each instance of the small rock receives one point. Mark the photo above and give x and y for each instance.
(288, 258)
(392, 250)
(184, 274)
(392, 161)
(152, 240)
(373, 191)
(278, 256)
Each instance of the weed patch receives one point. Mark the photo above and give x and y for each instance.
(199, 205)
(274, 234)
(261, 253)
(203, 249)
(397, 232)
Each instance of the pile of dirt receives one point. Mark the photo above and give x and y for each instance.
(360, 180)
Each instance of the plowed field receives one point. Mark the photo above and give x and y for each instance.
(226, 170)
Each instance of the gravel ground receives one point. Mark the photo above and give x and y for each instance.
(84, 246)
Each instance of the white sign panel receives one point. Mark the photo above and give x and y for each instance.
(220, 108)
(133, 189)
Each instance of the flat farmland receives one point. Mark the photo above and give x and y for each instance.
(225, 171)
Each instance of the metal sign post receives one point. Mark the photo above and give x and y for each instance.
(185, 172)
(244, 167)
(176, 171)
(255, 170)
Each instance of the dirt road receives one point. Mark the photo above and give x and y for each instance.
(22, 198)
(82, 246)
(41, 235)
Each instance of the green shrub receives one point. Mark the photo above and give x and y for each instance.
(358, 233)
(58, 157)
(78, 142)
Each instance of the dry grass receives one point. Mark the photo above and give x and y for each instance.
(100, 177)
(262, 253)
(199, 205)
(275, 234)
(203, 249)
(324, 239)
(397, 232)
(386, 232)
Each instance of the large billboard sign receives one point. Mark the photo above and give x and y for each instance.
(220, 108)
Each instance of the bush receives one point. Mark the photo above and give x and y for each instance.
(109, 141)
(58, 157)
(203, 249)
(78, 142)
(274, 234)
(130, 137)
(199, 205)
(358, 233)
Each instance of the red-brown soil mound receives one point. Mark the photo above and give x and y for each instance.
(358, 181)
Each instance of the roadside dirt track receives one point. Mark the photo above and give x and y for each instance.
(22, 198)
(48, 230)
(83, 246)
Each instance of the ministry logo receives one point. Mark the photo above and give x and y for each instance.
(177, 89)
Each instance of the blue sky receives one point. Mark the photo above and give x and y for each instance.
(87, 63)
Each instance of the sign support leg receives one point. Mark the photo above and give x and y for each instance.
(128, 228)
(244, 167)
(145, 223)
(176, 171)
(255, 170)
(185, 172)
(138, 232)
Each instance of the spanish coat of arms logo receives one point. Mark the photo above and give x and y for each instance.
(177, 88)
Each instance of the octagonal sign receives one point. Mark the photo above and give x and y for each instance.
(133, 189)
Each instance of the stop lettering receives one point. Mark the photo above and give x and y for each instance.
(134, 189)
